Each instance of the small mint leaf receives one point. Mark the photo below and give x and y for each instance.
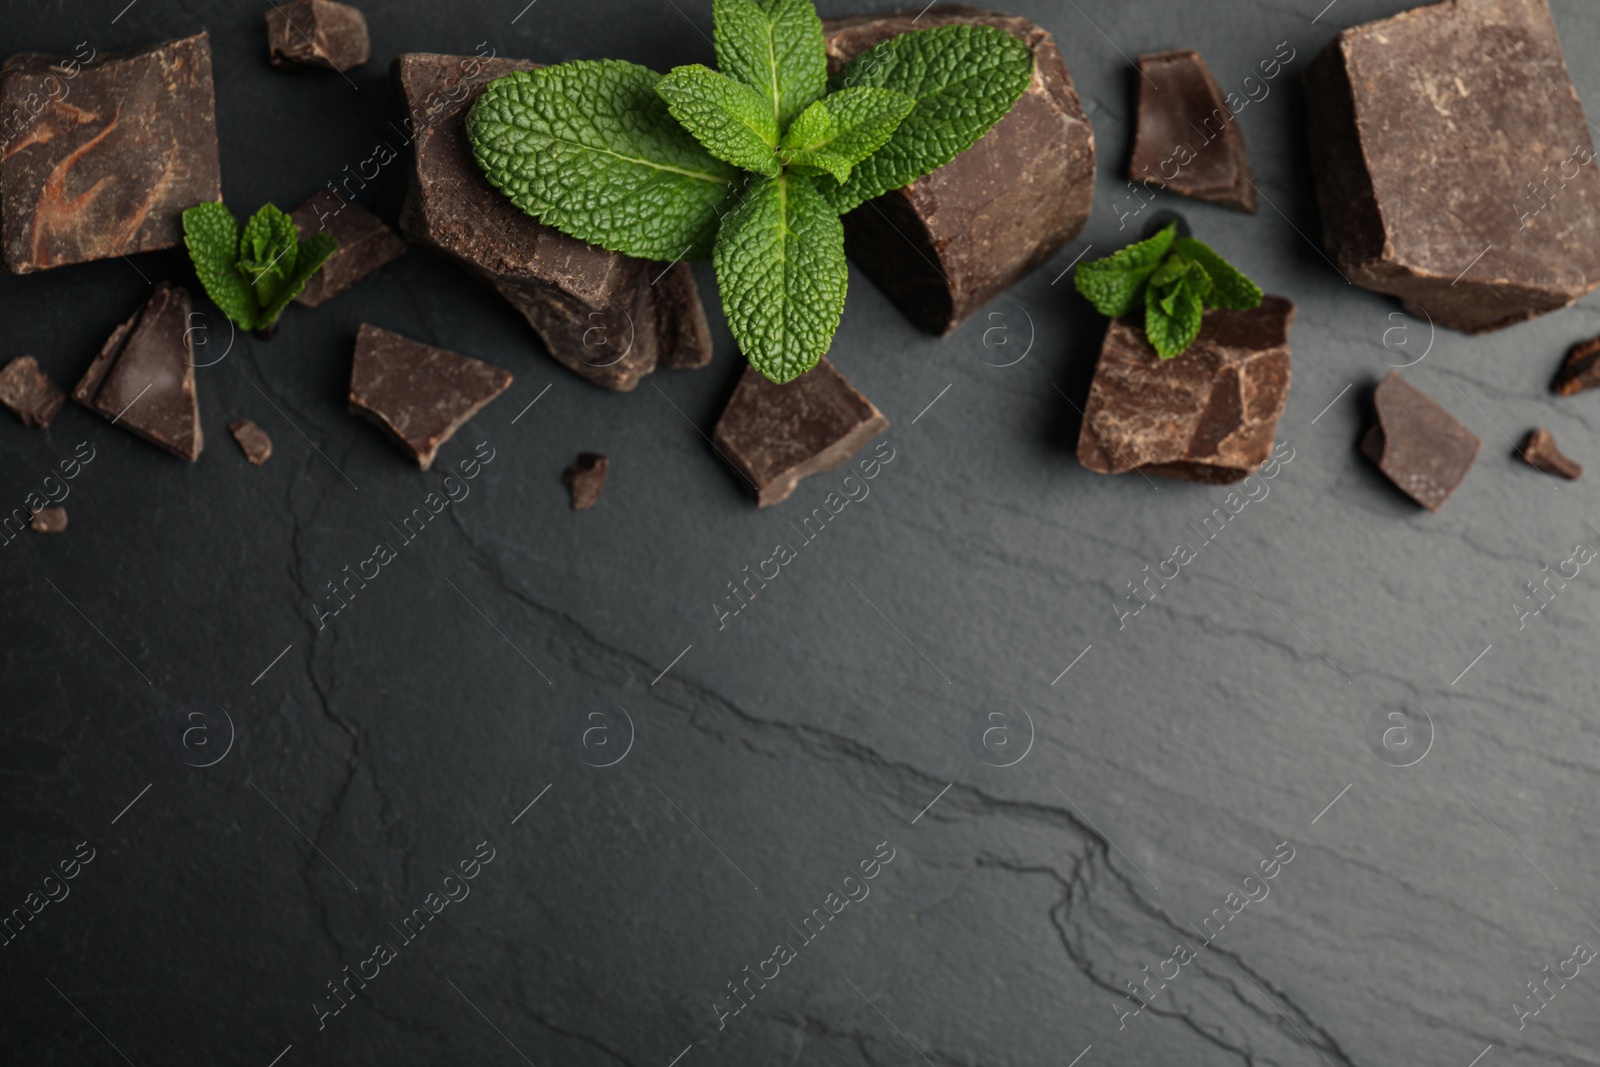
(1112, 284)
(211, 234)
(1172, 329)
(267, 251)
(840, 130)
(774, 46)
(1230, 289)
(308, 259)
(729, 118)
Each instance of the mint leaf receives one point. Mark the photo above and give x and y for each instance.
(842, 129)
(729, 118)
(1112, 284)
(211, 234)
(781, 267)
(1230, 289)
(267, 251)
(774, 46)
(308, 259)
(589, 148)
(1172, 320)
(963, 78)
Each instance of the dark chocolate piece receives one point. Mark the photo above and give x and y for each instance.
(49, 520)
(1187, 139)
(951, 241)
(585, 479)
(31, 396)
(1581, 370)
(774, 435)
(603, 315)
(1419, 446)
(1453, 163)
(1207, 416)
(100, 159)
(317, 33)
(143, 378)
(419, 395)
(365, 244)
(253, 440)
(1539, 451)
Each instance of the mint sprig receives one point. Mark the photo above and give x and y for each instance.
(619, 156)
(1179, 279)
(252, 276)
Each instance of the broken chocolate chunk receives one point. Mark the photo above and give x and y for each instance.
(585, 479)
(1207, 416)
(1539, 451)
(1187, 139)
(101, 154)
(31, 396)
(317, 33)
(1581, 370)
(1419, 446)
(143, 378)
(365, 244)
(774, 435)
(419, 395)
(49, 520)
(1453, 163)
(253, 440)
(606, 316)
(951, 241)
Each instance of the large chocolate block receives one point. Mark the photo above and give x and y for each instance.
(365, 244)
(1187, 139)
(1453, 163)
(604, 315)
(317, 33)
(101, 158)
(951, 241)
(143, 378)
(1207, 416)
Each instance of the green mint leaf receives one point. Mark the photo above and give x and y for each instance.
(212, 236)
(1172, 319)
(1112, 284)
(843, 128)
(267, 251)
(781, 268)
(963, 78)
(589, 148)
(308, 259)
(774, 46)
(729, 118)
(1230, 289)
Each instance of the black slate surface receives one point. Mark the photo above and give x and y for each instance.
(514, 647)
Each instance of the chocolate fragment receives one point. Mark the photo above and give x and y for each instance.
(1539, 451)
(774, 435)
(143, 378)
(585, 479)
(253, 440)
(31, 396)
(1186, 127)
(603, 315)
(49, 520)
(418, 394)
(1581, 370)
(100, 158)
(317, 33)
(951, 241)
(1207, 416)
(365, 244)
(1453, 163)
(1419, 446)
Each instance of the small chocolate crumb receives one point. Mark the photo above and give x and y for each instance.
(49, 520)
(1581, 370)
(1422, 448)
(1539, 451)
(253, 440)
(585, 479)
(31, 396)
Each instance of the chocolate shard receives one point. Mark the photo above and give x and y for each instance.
(420, 395)
(774, 435)
(1539, 451)
(253, 440)
(143, 378)
(1207, 416)
(49, 520)
(1418, 445)
(1453, 163)
(585, 479)
(365, 244)
(31, 396)
(951, 241)
(317, 33)
(102, 153)
(1180, 104)
(608, 317)
(1581, 370)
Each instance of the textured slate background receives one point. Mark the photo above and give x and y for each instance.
(780, 751)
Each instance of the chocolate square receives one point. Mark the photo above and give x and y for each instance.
(317, 33)
(1186, 127)
(143, 378)
(365, 244)
(1420, 447)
